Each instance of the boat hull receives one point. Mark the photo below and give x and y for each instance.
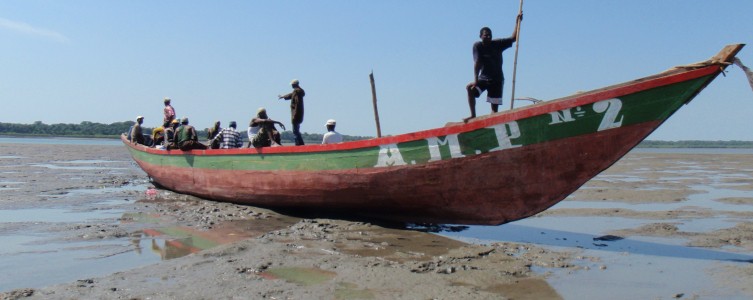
(488, 189)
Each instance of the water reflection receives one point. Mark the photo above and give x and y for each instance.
(436, 228)
(51, 215)
(174, 241)
(51, 166)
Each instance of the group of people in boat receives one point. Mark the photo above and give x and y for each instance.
(262, 132)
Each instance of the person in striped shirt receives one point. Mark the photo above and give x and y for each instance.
(228, 137)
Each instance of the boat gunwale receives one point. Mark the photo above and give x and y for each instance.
(626, 88)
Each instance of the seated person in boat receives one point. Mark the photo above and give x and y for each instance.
(169, 142)
(332, 136)
(158, 136)
(136, 135)
(212, 134)
(228, 138)
(186, 137)
(262, 131)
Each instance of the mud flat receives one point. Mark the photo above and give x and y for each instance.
(261, 254)
(667, 207)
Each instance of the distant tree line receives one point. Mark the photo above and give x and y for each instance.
(99, 130)
(113, 130)
(85, 129)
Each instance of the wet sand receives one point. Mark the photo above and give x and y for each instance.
(261, 254)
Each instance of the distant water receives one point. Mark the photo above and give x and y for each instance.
(59, 141)
(117, 142)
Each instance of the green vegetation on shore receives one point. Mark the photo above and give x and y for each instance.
(85, 129)
(113, 130)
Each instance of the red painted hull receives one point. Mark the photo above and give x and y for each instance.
(508, 185)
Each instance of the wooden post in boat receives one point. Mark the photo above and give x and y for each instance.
(374, 101)
(515, 63)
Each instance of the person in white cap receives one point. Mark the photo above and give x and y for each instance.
(296, 109)
(136, 134)
(331, 136)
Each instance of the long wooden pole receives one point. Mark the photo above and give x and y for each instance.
(515, 63)
(374, 101)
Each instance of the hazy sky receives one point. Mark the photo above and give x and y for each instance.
(109, 61)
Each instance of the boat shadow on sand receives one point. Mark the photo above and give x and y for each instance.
(542, 236)
(566, 239)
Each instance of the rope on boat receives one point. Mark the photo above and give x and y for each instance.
(697, 65)
(748, 72)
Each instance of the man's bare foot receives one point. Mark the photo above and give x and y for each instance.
(465, 120)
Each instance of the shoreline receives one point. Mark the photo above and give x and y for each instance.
(646, 144)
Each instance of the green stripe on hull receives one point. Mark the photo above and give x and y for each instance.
(650, 105)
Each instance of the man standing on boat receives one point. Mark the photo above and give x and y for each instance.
(169, 113)
(487, 68)
(296, 109)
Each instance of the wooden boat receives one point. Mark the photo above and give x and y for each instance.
(492, 170)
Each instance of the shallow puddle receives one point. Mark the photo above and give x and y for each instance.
(528, 288)
(302, 276)
(37, 261)
(398, 245)
(347, 290)
(53, 215)
(158, 240)
(176, 241)
(79, 168)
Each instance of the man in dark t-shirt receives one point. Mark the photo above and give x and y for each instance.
(487, 68)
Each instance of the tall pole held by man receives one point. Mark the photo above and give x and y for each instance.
(515, 62)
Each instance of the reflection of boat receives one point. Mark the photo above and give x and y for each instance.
(492, 170)
(177, 241)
